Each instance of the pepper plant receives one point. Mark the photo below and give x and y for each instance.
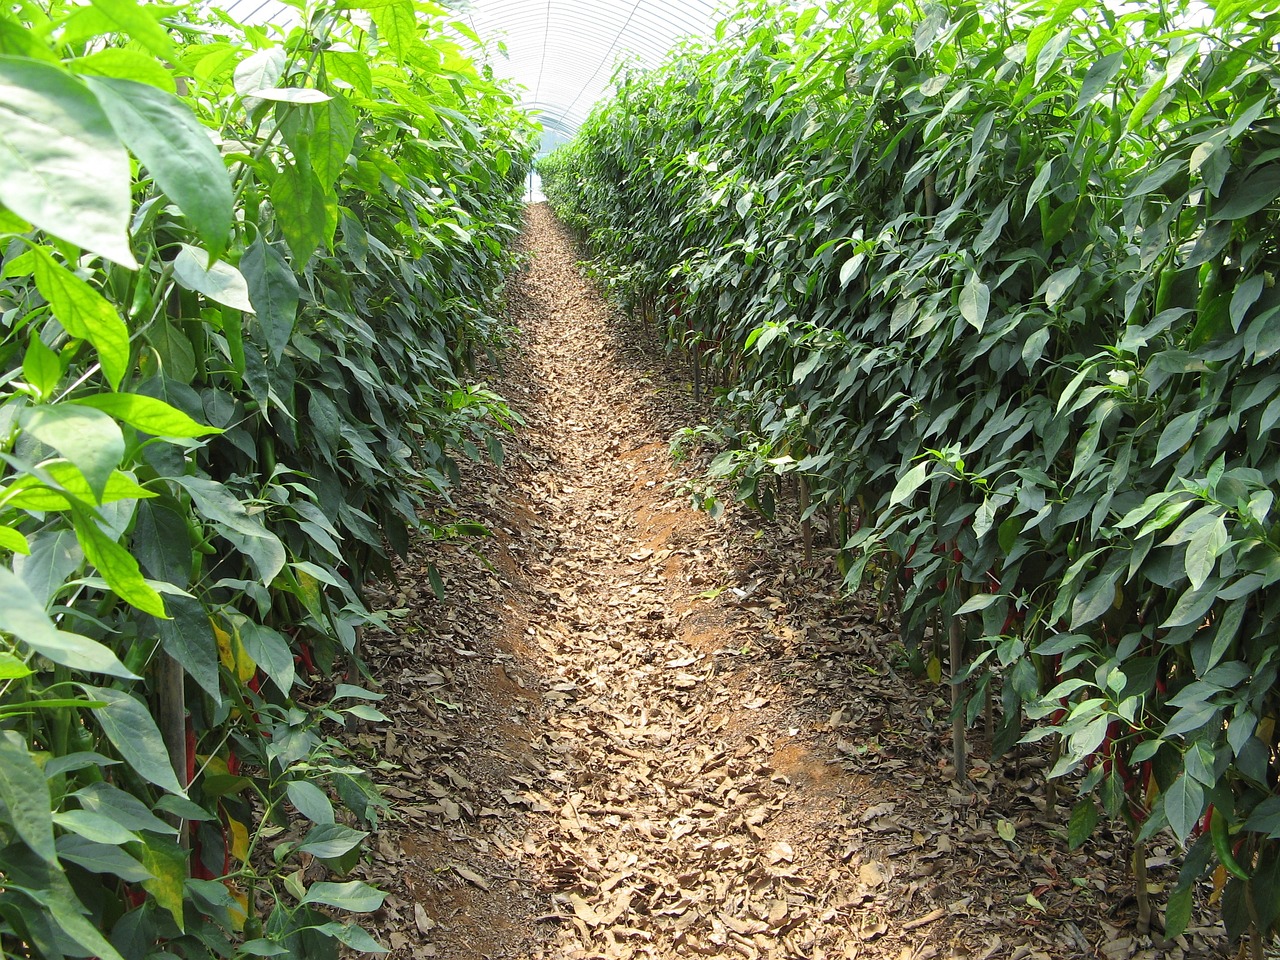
(1004, 281)
(243, 275)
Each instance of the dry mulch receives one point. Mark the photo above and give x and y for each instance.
(632, 731)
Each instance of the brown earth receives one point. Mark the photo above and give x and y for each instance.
(632, 731)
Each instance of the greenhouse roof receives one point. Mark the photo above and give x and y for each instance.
(562, 53)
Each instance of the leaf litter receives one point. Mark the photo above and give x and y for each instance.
(630, 731)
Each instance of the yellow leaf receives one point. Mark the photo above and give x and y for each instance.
(309, 591)
(934, 669)
(238, 916)
(232, 653)
(1219, 882)
(239, 839)
(167, 863)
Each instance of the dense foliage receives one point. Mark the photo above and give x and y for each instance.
(242, 277)
(1002, 284)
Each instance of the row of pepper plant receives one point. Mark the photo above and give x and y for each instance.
(244, 274)
(997, 283)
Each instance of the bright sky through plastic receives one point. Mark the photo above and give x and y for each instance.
(563, 53)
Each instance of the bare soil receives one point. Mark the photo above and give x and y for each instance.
(632, 731)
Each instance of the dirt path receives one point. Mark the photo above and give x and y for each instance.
(631, 731)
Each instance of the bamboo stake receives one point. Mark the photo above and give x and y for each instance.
(956, 637)
(171, 698)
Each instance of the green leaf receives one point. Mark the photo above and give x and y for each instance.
(1254, 192)
(188, 638)
(1243, 297)
(1177, 914)
(41, 367)
(147, 414)
(1094, 599)
(1183, 805)
(1177, 435)
(354, 895)
(11, 668)
(94, 826)
(310, 800)
(975, 301)
(335, 134)
(979, 601)
(101, 858)
(396, 25)
(75, 925)
(264, 948)
(330, 840)
(1208, 543)
(117, 566)
(270, 651)
(138, 23)
(55, 555)
(220, 282)
(26, 796)
(167, 864)
(26, 619)
(90, 439)
(353, 936)
(124, 808)
(273, 291)
(124, 64)
(909, 483)
(70, 481)
(260, 71)
(85, 314)
(1096, 79)
(217, 504)
(176, 149)
(302, 211)
(1084, 817)
(365, 712)
(307, 95)
(129, 726)
(13, 541)
(62, 167)
(990, 232)
(1058, 284)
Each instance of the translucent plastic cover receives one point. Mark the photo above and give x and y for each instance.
(563, 53)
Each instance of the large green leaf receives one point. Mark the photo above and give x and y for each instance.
(975, 301)
(306, 213)
(176, 149)
(217, 504)
(101, 858)
(335, 132)
(128, 725)
(270, 651)
(62, 167)
(219, 281)
(1183, 804)
(117, 565)
(311, 801)
(273, 290)
(125, 64)
(26, 795)
(88, 438)
(138, 22)
(147, 414)
(188, 638)
(84, 313)
(26, 619)
(354, 895)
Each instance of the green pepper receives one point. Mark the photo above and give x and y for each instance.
(1222, 845)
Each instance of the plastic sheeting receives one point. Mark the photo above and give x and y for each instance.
(562, 53)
